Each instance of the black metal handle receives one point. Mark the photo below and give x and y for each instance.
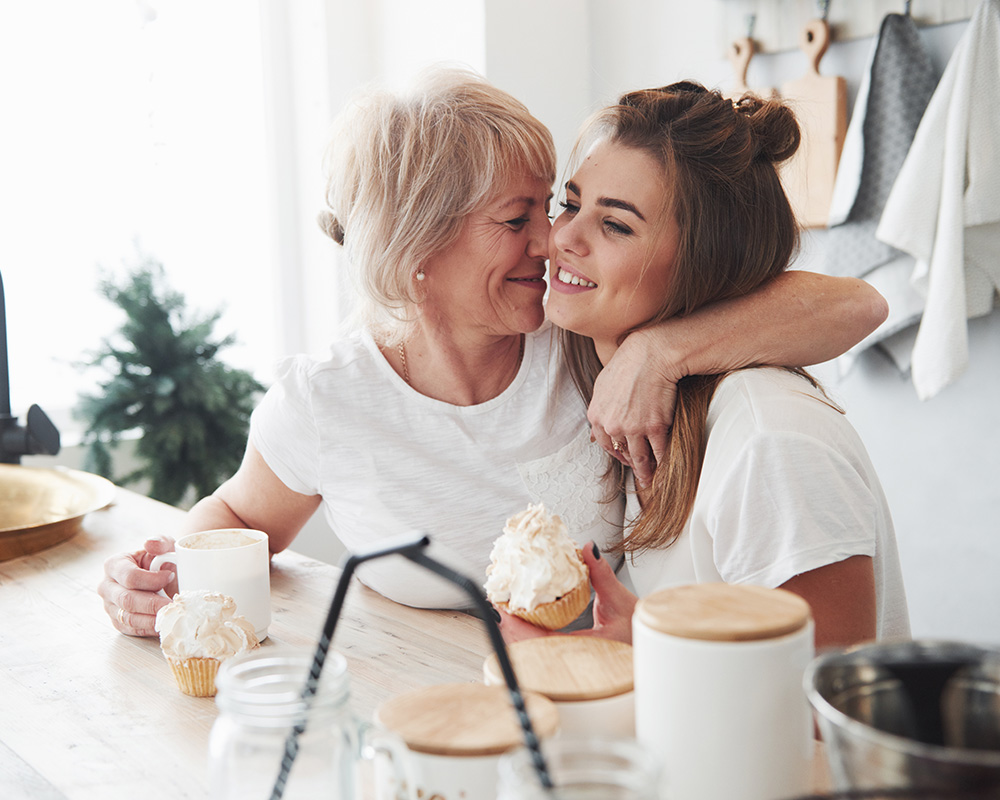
(39, 436)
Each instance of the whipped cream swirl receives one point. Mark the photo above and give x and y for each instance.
(533, 562)
(201, 624)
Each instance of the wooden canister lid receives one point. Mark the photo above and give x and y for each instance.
(464, 719)
(568, 668)
(723, 612)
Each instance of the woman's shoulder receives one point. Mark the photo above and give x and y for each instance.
(349, 351)
(772, 399)
(764, 385)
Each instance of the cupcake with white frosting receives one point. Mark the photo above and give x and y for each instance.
(198, 631)
(536, 571)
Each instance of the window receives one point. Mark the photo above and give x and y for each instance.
(131, 127)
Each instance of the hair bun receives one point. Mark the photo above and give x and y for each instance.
(330, 226)
(773, 126)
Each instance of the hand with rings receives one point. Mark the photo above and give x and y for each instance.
(133, 594)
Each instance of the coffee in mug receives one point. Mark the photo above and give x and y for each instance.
(218, 540)
(231, 561)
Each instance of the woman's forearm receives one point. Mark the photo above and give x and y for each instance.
(798, 319)
(255, 498)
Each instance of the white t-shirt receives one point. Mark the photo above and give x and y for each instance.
(786, 487)
(388, 460)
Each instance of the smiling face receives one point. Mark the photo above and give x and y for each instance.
(492, 279)
(611, 251)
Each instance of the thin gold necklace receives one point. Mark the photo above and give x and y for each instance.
(401, 349)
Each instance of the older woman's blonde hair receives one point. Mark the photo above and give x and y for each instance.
(404, 170)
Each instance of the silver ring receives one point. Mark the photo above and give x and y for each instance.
(121, 616)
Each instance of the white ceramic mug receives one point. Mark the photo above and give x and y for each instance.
(718, 690)
(445, 742)
(232, 561)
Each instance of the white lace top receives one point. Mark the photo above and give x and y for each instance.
(388, 460)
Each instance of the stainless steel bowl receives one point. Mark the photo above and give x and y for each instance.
(917, 715)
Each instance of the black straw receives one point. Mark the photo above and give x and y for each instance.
(412, 548)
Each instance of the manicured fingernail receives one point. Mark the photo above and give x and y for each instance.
(496, 616)
(597, 553)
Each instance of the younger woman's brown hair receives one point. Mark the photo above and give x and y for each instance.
(737, 231)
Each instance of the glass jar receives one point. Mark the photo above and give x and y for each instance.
(593, 768)
(260, 703)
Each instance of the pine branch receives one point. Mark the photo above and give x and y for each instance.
(165, 380)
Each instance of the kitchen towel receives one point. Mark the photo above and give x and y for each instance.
(944, 208)
(895, 89)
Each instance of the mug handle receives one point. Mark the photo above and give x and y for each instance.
(160, 560)
(377, 742)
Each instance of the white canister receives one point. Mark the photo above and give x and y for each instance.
(446, 741)
(719, 694)
(589, 679)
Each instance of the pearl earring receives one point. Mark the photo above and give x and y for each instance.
(420, 275)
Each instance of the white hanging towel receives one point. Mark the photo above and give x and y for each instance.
(944, 208)
(894, 92)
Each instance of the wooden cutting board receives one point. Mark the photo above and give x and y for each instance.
(820, 103)
(740, 53)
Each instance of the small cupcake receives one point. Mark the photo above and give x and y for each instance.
(536, 571)
(198, 631)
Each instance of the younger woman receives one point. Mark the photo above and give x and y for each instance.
(677, 204)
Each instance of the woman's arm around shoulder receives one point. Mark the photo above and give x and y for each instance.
(797, 319)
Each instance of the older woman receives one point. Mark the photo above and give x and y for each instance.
(764, 481)
(450, 408)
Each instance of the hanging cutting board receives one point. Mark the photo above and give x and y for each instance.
(740, 53)
(820, 103)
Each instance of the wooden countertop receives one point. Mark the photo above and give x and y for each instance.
(88, 712)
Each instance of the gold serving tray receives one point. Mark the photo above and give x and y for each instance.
(41, 507)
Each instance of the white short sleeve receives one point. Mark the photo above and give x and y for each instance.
(283, 428)
(789, 504)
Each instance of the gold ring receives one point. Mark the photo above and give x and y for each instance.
(121, 615)
(620, 447)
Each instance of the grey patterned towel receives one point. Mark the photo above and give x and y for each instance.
(899, 86)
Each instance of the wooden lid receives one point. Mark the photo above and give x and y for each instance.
(464, 719)
(723, 612)
(568, 668)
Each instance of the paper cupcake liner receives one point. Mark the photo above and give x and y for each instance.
(559, 613)
(195, 676)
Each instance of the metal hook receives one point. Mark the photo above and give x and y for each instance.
(751, 21)
(906, 7)
(823, 6)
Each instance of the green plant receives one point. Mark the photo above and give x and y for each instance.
(167, 382)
